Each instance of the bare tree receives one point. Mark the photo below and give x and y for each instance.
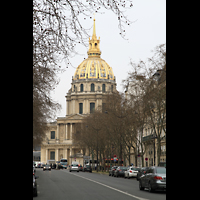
(147, 97)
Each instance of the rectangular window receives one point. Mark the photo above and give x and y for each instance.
(52, 155)
(52, 134)
(80, 108)
(103, 107)
(103, 88)
(92, 107)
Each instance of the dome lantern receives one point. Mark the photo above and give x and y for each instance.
(94, 45)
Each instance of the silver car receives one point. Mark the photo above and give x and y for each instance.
(74, 167)
(154, 178)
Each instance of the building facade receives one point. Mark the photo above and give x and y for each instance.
(92, 80)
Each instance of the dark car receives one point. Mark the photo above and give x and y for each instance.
(111, 171)
(141, 172)
(35, 185)
(120, 171)
(80, 167)
(46, 167)
(87, 168)
(154, 178)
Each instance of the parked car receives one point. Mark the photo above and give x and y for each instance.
(35, 185)
(87, 168)
(112, 169)
(131, 172)
(47, 167)
(120, 171)
(141, 172)
(80, 167)
(74, 167)
(154, 178)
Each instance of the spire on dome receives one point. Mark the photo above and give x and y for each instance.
(94, 50)
(94, 29)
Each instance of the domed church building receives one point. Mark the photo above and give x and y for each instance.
(92, 80)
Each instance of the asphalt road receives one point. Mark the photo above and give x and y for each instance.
(62, 185)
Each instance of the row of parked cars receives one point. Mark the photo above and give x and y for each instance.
(34, 182)
(77, 167)
(149, 177)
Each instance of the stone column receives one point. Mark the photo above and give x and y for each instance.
(56, 154)
(70, 154)
(71, 131)
(46, 155)
(66, 132)
(57, 132)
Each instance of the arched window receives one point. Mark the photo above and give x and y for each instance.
(92, 87)
(103, 88)
(111, 88)
(82, 88)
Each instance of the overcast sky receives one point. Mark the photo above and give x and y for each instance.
(147, 32)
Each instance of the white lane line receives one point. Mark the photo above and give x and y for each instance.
(140, 198)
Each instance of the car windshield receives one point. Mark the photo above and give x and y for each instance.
(47, 165)
(74, 165)
(136, 169)
(161, 170)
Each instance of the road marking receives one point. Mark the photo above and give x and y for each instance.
(140, 198)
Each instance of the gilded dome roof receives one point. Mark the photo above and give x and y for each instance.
(94, 67)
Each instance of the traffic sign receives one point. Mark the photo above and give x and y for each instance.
(146, 158)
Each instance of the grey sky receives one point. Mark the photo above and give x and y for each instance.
(147, 32)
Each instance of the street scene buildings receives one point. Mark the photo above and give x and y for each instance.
(92, 81)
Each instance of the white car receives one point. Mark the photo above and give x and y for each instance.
(131, 172)
(74, 167)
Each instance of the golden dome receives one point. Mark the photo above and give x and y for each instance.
(94, 67)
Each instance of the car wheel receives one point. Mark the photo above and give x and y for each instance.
(150, 188)
(109, 174)
(140, 186)
(128, 176)
(77, 171)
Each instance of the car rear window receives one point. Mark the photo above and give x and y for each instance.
(136, 169)
(161, 170)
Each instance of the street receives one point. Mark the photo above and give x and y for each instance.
(62, 184)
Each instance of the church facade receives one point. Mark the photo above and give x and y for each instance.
(92, 80)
